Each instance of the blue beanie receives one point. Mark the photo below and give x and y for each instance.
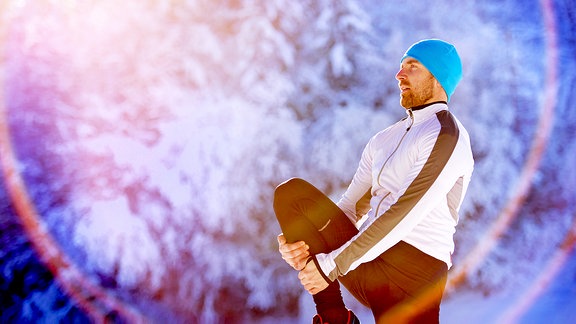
(441, 59)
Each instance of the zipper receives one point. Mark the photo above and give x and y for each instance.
(391, 154)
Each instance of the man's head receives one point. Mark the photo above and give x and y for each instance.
(430, 71)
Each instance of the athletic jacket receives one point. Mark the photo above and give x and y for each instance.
(416, 173)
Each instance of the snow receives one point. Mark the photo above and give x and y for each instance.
(105, 237)
(165, 127)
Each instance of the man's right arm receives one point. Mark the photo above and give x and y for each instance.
(355, 202)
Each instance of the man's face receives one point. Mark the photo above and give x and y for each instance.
(416, 83)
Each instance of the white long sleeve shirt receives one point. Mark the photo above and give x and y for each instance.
(417, 172)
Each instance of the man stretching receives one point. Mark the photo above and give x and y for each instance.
(409, 185)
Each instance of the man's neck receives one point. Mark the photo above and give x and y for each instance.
(427, 104)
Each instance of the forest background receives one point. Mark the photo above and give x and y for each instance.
(141, 142)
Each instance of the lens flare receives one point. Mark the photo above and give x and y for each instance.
(507, 215)
(99, 303)
(94, 300)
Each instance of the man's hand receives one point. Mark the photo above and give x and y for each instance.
(311, 279)
(295, 254)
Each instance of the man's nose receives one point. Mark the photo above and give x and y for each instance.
(400, 75)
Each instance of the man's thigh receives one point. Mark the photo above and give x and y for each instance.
(305, 213)
(401, 282)
(372, 285)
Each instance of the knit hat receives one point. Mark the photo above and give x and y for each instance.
(441, 59)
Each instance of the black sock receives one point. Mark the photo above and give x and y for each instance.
(330, 305)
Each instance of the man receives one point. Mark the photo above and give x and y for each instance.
(409, 185)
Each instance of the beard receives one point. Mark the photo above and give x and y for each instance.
(419, 95)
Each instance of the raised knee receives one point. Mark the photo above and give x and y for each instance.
(289, 185)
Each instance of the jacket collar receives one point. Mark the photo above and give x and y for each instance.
(419, 113)
(428, 104)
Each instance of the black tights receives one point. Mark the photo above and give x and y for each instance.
(324, 228)
(400, 274)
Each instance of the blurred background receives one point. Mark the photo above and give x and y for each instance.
(141, 142)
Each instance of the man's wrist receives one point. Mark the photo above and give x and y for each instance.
(315, 260)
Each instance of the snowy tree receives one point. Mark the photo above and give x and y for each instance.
(159, 127)
(151, 135)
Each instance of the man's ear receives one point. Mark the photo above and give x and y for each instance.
(437, 84)
(439, 89)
